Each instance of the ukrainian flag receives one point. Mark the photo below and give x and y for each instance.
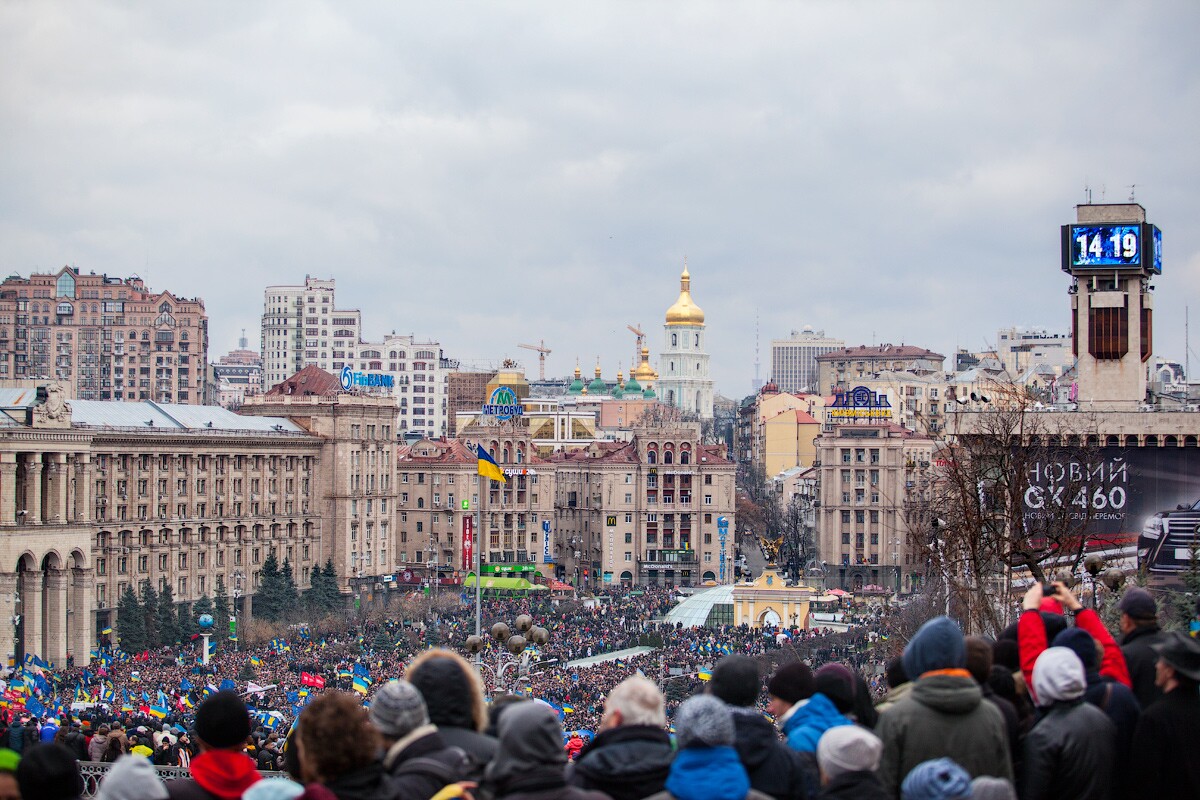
(361, 684)
(158, 712)
(255, 661)
(567, 709)
(704, 675)
(488, 467)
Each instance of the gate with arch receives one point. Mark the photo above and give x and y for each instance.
(50, 598)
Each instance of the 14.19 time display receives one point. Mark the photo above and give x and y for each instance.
(1106, 245)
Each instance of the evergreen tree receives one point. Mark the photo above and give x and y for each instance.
(131, 623)
(168, 620)
(185, 619)
(150, 614)
(312, 602)
(287, 588)
(268, 600)
(331, 597)
(220, 612)
(383, 642)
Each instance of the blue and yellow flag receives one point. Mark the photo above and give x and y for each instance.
(488, 467)
(361, 684)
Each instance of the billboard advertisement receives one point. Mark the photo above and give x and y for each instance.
(1128, 491)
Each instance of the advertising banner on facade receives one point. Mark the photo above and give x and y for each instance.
(468, 542)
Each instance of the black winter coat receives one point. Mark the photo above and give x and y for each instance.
(626, 763)
(1164, 764)
(1069, 754)
(479, 747)
(1141, 658)
(773, 767)
(418, 780)
(854, 786)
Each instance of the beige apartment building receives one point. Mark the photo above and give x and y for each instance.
(102, 338)
(840, 370)
(647, 511)
(875, 486)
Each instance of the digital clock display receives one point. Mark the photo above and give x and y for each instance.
(1105, 245)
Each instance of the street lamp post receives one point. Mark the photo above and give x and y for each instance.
(512, 650)
(238, 575)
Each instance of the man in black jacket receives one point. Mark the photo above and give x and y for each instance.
(1164, 764)
(773, 767)
(1139, 624)
(415, 754)
(631, 755)
(1069, 753)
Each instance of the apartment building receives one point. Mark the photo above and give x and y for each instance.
(301, 325)
(102, 338)
(794, 359)
(875, 486)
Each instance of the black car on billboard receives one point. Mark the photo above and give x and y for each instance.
(1167, 546)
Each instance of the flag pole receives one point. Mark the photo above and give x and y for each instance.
(484, 487)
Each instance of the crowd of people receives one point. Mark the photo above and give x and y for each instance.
(1054, 707)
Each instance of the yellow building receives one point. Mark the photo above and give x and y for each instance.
(769, 602)
(789, 440)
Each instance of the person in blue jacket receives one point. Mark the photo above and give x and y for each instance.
(803, 713)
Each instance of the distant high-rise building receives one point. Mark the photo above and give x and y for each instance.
(794, 359)
(238, 374)
(103, 338)
(419, 372)
(302, 326)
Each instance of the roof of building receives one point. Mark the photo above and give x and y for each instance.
(878, 351)
(308, 381)
(694, 611)
(802, 417)
(172, 416)
(685, 311)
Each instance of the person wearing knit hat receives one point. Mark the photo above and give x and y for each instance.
(802, 711)
(222, 769)
(944, 715)
(1139, 633)
(415, 754)
(1069, 752)
(706, 766)
(132, 778)
(848, 757)
(985, 788)
(9, 759)
(49, 772)
(774, 768)
(937, 779)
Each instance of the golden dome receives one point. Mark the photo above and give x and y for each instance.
(685, 312)
(645, 374)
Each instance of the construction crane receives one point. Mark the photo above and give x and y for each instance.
(542, 351)
(641, 338)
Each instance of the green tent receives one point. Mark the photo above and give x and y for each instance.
(504, 585)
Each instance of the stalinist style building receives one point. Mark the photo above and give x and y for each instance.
(684, 379)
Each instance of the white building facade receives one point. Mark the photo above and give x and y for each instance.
(301, 325)
(684, 380)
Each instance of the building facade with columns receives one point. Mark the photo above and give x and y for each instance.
(96, 496)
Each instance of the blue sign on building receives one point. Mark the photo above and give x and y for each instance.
(503, 404)
(722, 535)
(351, 379)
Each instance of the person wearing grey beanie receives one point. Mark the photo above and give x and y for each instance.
(415, 754)
(848, 757)
(939, 779)
(132, 778)
(985, 788)
(706, 766)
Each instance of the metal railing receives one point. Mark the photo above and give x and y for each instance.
(93, 773)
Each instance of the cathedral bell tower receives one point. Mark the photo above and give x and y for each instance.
(684, 380)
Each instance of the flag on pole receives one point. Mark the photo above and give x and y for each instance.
(361, 684)
(488, 467)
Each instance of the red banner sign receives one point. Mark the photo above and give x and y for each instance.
(468, 542)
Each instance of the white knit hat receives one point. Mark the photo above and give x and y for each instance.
(848, 748)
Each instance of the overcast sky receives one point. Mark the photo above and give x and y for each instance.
(494, 173)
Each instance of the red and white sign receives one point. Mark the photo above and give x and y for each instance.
(468, 542)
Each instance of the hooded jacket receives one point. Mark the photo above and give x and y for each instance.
(708, 773)
(626, 763)
(774, 768)
(530, 761)
(943, 716)
(805, 726)
(221, 774)
(131, 778)
(1069, 753)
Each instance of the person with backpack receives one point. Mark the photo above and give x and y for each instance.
(418, 760)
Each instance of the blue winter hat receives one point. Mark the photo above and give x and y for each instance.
(940, 779)
(938, 644)
(1081, 643)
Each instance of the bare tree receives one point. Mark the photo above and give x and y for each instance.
(1017, 489)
